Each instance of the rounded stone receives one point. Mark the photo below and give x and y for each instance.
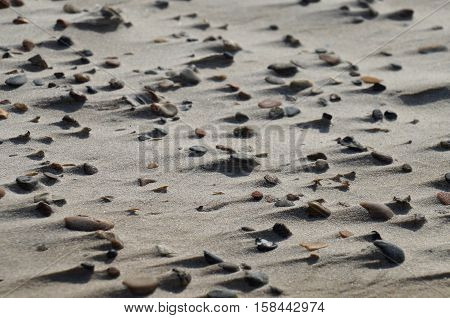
(17, 80)
(27, 183)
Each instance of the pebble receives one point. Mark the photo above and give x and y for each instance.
(447, 177)
(445, 144)
(284, 203)
(401, 15)
(300, 85)
(91, 90)
(335, 98)
(390, 115)
(115, 83)
(292, 41)
(241, 118)
(382, 158)
(38, 62)
(243, 132)
(291, 111)
(44, 209)
(229, 267)
(330, 59)
(284, 69)
(65, 41)
(2, 193)
(377, 115)
(392, 252)
(263, 245)
(269, 103)
(222, 293)
(17, 80)
(244, 96)
(112, 63)
(444, 197)
(164, 251)
(406, 168)
(276, 113)
(4, 4)
(345, 233)
(274, 80)
(70, 8)
(231, 46)
(316, 156)
(351, 143)
(256, 195)
(86, 223)
(81, 78)
(321, 165)
(198, 150)
(164, 109)
(142, 286)
(200, 132)
(378, 211)
(113, 272)
(432, 49)
(416, 220)
(395, 67)
(315, 209)
(27, 183)
(310, 247)
(78, 96)
(38, 82)
(188, 76)
(89, 169)
(377, 87)
(3, 114)
(28, 45)
(256, 279)
(211, 258)
(282, 230)
(271, 180)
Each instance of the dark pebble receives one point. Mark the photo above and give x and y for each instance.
(65, 41)
(282, 230)
(256, 279)
(44, 209)
(406, 168)
(392, 252)
(89, 169)
(112, 253)
(377, 115)
(264, 245)
(389, 115)
(211, 258)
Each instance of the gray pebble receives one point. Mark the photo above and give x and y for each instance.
(17, 80)
(392, 252)
(27, 183)
(256, 279)
(291, 111)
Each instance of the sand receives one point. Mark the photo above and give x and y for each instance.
(349, 267)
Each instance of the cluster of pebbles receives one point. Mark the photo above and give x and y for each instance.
(286, 76)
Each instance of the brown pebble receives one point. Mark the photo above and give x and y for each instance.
(233, 87)
(219, 78)
(141, 286)
(78, 96)
(256, 195)
(86, 223)
(370, 79)
(313, 246)
(316, 209)
(20, 20)
(4, 4)
(200, 132)
(81, 78)
(2, 193)
(28, 45)
(21, 107)
(244, 96)
(3, 114)
(444, 197)
(330, 59)
(269, 103)
(345, 234)
(113, 63)
(378, 211)
(292, 197)
(44, 209)
(60, 23)
(113, 272)
(152, 165)
(144, 181)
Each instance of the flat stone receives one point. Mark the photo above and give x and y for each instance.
(382, 158)
(222, 293)
(330, 59)
(401, 15)
(17, 80)
(229, 267)
(86, 224)
(269, 103)
(274, 80)
(211, 258)
(284, 69)
(432, 49)
(313, 246)
(188, 76)
(315, 209)
(300, 85)
(291, 111)
(284, 203)
(198, 150)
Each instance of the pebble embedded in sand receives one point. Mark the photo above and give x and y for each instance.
(292, 41)
(65, 41)
(316, 209)
(313, 246)
(44, 209)
(222, 293)
(382, 158)
(2, 193)
(378, 211)
(271, 179)
(210, 258)
(257, 195)
(164, 251)
(4, 4)
(86, 224)
(269, 103)
(112, 63)
(189, 77)
(432, 49)
(406, 168)
(392, 252)
(291, 111)
(256, 279)
(229, 267)
(276, 113)
(447, 177)
(89, 169)
(142, 286)
(115, 83)
(370, 79)
(28, 45)
(198, 150)
(77, 96)
(444, 197)
(113, 272)
(244, 96)
(20, 107)
(282, 230)
(263, 245)
(27, 183)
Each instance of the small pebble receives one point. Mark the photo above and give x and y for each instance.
(382, 158)
(27, 183)
(282, 230)
(378, 211)
(256, 279)
(113, 272)
(211, 258)
(86, 224)
(392, 252)
(222, 293)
